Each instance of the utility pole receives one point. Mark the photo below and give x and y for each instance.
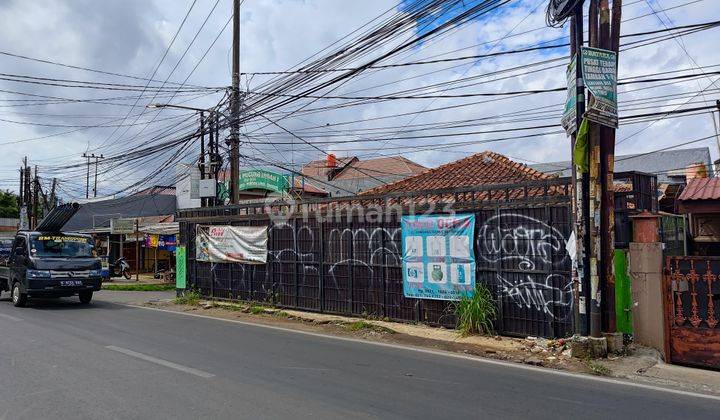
(97, 158)
(201, 162)
(36, 188)
(580, 183)
(235, 107)
(87, 178)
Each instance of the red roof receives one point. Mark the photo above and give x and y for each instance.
(701, 189)
(479, 169)
(354, 168)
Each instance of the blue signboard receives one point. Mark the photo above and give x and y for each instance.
(438, 256)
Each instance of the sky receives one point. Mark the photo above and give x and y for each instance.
(136, 38)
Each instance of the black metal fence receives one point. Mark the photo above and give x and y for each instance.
(634, 192)
(350, 262)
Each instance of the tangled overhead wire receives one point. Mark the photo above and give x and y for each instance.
(559, 11)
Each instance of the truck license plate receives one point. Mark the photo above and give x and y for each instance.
(71, 283)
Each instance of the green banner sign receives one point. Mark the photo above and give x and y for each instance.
(600, 75)
(180, 267)
(263, 180)
(569, 118)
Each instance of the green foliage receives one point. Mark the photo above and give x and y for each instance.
(366, 326)
(476, 313)
(189, 297)
(139, 287)
(597, 369)
(8, 205)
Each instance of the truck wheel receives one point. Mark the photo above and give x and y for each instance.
(18, 299)
(85, 297)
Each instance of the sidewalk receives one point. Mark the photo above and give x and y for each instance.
(642, 365)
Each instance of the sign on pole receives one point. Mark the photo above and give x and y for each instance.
(122, 226)
(438, 258)
(569, 118)
(261, 179)
(24, 221)
(600, 75)
(180, 267)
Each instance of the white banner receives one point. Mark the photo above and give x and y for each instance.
(229, 244)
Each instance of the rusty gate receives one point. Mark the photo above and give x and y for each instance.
(691, 290)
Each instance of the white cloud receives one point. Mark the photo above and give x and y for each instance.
(130, 36)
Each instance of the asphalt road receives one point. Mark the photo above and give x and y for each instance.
(59, 359)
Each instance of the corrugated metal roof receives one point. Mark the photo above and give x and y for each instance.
(701, 189)
(669, 165)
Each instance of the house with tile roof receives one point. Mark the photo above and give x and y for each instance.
(485, 168)
(350, 175)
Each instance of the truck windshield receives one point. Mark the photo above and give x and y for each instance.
(67, 246)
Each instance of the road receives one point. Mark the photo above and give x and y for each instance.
(59, 359)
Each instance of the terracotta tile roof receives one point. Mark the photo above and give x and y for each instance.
(319, 168)
(395, 165)
(701, 189)
(484, 168)
(354, 168)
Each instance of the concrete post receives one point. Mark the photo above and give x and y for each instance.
(645, 262)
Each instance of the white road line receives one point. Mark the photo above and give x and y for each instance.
(10, 317)
(477, 359)
(161, 362)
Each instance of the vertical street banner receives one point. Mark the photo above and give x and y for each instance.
(232, 244)
(569, 118)
(438, 256)
(180, 267)
(599, 69)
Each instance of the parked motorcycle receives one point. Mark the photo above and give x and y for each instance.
(120, 268)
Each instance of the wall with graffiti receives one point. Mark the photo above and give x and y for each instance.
(354, 266)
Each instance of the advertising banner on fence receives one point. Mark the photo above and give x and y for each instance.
(600, 75)
(438, 257)
(231, 244)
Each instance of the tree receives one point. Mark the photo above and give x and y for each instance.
(9, 205)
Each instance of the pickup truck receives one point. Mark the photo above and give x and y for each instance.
(44, 264)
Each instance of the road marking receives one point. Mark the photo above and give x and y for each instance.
(161, 362)
(10, 317)
(448, 354)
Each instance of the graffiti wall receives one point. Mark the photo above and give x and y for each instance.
(355, 267)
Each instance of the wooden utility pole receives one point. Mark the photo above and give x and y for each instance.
(235, 107)
(605, 36)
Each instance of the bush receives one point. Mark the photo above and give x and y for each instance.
(189, 297)
(476, 313)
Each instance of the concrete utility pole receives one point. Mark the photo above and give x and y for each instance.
(97, 158)
(36, 188)
(201, 161)
(87, 177)
(235, 107)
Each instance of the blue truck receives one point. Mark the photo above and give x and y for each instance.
(50, 264)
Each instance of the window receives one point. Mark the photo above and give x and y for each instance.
(62, 246)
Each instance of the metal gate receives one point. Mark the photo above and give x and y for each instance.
(691, 290)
